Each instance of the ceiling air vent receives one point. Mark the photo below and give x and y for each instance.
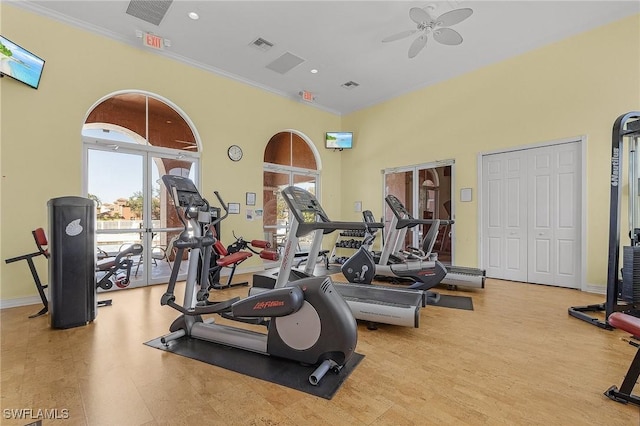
(285, 63)
(350, 85)
(261, 44)
(151, 11)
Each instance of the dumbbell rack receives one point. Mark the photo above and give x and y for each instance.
(347, 240)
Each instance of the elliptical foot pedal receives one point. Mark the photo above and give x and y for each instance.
(254, 321)
(219, 307)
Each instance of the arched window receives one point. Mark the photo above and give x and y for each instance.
(289, 159)
(131, 139)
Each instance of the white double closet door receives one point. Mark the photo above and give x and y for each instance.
(531, 205)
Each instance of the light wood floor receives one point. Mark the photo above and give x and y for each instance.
(517, 359)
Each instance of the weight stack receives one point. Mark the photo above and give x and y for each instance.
(630, 274)
(72, 264)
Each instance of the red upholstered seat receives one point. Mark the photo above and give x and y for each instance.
(41, 241)
(625, 322)
(232, 258)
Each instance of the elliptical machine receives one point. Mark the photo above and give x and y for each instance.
(309, 321)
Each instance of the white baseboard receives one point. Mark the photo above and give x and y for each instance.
(21, 301)
(595, 288)
(35, 300)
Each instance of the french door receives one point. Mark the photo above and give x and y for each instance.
(134, 208)
(426, 192)
(276, 214)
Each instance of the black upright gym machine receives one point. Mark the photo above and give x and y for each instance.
(623, 293)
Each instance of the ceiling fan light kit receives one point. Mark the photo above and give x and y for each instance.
(438, 27)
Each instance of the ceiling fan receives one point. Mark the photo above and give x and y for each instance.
(438, 27)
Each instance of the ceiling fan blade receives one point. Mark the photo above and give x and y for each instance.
(417, 45)
(398, 36)
(453, 17)
(419, 15)
(447, 36)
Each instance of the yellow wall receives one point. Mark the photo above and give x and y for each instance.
(571, 88)
(40, 136)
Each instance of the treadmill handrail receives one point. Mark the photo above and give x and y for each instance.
(304, 206)
(410, 223)
(329, 227)
(405, 220)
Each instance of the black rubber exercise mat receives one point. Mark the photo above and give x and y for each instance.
(456, 302)
(272, 369)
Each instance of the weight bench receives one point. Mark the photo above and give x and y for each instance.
(226, 260)
(232, 256)
(41, 242)
(111, 268)
(630, 324)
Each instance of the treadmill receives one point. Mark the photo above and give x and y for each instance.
(400, 222)
(372, 303)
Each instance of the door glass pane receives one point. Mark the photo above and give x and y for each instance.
(278, 150)
(168, 129)
(165, 224)
(275, 215)
(399, 184)
(302, 156)
(115, 182)
(126, 110)
(308, 183)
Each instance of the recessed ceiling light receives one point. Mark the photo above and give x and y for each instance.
(194, 16)
(314, 71)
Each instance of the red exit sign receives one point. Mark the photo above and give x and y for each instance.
(153, 41)
(307, 96)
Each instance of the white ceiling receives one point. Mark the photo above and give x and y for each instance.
(341, 39)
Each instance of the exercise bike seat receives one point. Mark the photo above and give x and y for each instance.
(625, 322)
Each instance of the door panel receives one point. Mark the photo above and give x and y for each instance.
(164, 225)
(115, 181)
(275, 213)
(140, 211)
(538, 238)
(505, 216)
(567, 230)
(426, 192)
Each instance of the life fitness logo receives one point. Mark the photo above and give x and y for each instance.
(268, 304)
(615, 166)
(73, 228)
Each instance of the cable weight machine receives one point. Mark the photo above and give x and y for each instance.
(623, 293)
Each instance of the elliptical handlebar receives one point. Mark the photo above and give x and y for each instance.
(225, 207)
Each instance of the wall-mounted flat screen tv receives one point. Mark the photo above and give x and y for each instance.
(20, 64)
(339, 140)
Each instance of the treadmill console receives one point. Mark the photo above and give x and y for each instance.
(397, 207)
(186, 190)
(304, 206)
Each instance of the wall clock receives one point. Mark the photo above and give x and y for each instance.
(235, 153)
